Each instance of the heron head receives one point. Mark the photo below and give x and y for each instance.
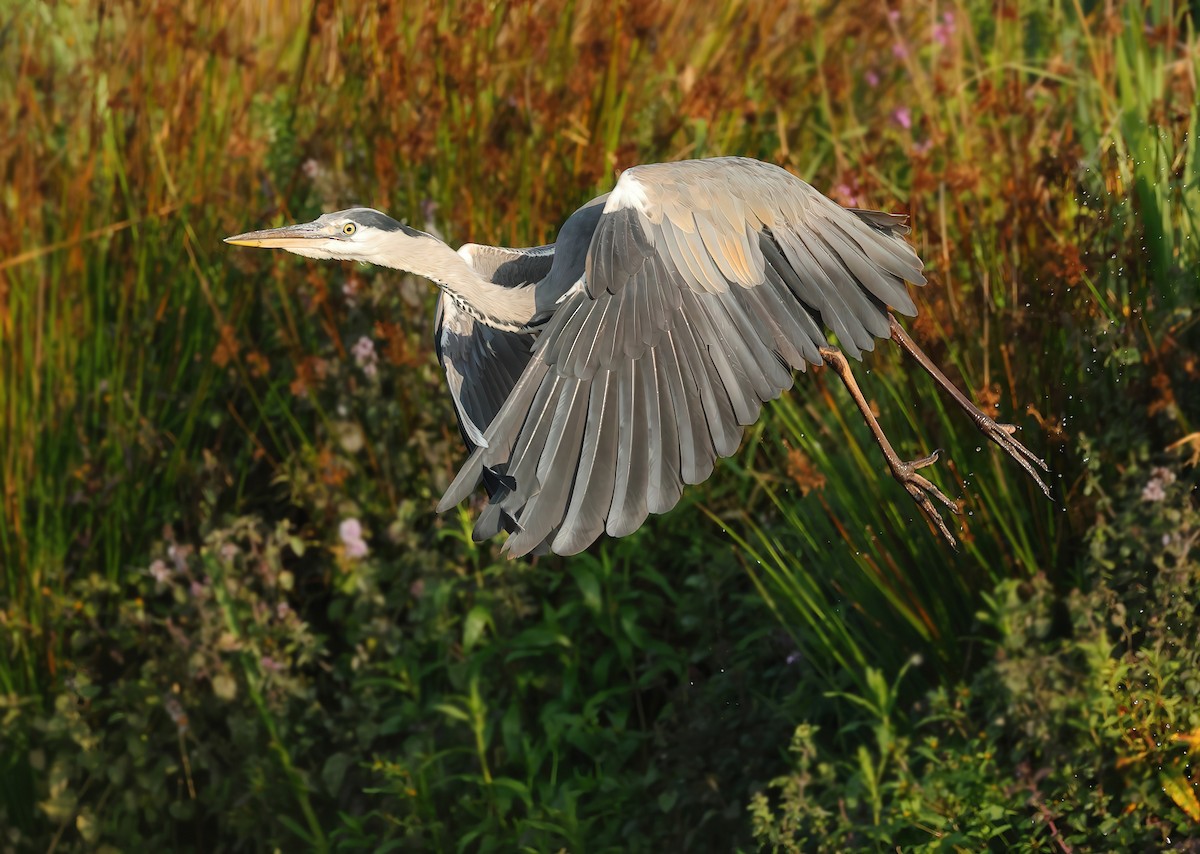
(356, 234)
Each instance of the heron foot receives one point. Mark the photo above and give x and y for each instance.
(920, 488)
(1003, 435)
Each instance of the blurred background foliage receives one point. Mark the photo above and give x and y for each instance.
(231, 620)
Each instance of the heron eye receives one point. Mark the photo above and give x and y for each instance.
(349, 228)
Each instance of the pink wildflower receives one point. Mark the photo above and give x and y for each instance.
(1155, 489)
(944, 30)
(351, 533)
(365, 356)
(844, 193)
(902, 117)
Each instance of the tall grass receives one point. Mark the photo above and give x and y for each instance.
(1025, 319)
(110, 309)
(126, 333)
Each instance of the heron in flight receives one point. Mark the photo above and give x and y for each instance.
(595, 377)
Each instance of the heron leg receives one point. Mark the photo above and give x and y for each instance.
(1001, 434)
(904, 471)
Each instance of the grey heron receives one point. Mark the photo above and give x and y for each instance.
(595, 377)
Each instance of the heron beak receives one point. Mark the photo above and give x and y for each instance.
(288, 237)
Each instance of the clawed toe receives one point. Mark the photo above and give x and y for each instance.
(924, 461)
(921, 488)
(1002, 435)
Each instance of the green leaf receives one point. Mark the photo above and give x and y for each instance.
(541, 636)
(589, 586)
(452, 711)
(1180, 791)
(477, 620)
(666, 801)
(295, 827)
(334, 771)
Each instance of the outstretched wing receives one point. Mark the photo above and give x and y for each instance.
(706, 283)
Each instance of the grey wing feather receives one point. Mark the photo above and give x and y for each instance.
(705, 284)
(482, 365)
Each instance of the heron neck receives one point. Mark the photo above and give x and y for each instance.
(495, 305)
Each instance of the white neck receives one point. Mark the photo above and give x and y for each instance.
(495, 305)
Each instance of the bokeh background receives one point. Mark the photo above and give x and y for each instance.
(230, 619)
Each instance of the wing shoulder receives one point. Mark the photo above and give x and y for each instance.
(507, 266)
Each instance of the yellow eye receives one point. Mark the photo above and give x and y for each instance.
(349, 228)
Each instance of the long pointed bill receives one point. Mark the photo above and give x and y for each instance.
(288, 237)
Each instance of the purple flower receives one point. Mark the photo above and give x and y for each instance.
(175, 710)
(1155, 489)
(846, 195)
(872, 77)
(351, 533)
(944, 30)
(365, 356)
(902, 117)
(179, 555)
(900, 50)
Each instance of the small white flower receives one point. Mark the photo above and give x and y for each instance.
(1164, 474)
(159, 572)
